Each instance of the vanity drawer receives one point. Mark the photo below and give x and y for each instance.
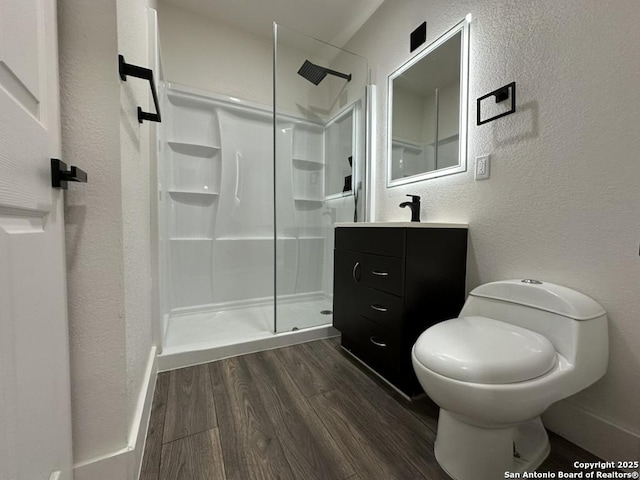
(387, 241)
(381, 308)
(381, 273)
(377, 346)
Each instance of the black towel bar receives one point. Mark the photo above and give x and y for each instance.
(501, 94)
(146, 74)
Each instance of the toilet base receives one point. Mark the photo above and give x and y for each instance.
(468, 452)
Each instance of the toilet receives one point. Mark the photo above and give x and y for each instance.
(517, 347)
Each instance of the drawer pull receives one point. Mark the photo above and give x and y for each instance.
(379, 308)
(354, 272)
(377, 343)
(380, 274)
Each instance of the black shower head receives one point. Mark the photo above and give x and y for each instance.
(315, 73)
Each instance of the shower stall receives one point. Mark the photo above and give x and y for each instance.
(248, 195)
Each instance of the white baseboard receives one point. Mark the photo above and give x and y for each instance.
(109, 466)
(125, 464)
(595, 434)
(138, 431)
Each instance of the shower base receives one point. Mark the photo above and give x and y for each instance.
(201, 337)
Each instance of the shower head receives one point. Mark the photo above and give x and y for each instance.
(315, 73)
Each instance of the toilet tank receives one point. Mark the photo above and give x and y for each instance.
(574, 323)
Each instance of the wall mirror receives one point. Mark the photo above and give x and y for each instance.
(427, 111)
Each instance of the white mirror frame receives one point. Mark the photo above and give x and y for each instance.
(463, 27)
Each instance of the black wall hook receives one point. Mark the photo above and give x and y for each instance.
(501, 94)
(60, 175)
(126, 69)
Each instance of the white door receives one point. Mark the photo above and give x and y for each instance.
(35, 408)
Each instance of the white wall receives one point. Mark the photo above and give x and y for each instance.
(203, 53)
(91, 140)
(449, 111)
(563, 200)
(411, 117)
(206, 54)
(135, 158)
(108, 233)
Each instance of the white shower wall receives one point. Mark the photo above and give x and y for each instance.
(216, 204)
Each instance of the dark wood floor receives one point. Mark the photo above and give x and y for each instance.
(303, 412)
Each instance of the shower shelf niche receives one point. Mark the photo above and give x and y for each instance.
(307, 161)
(306, 164)
(194, 149)
(191, 239)
(192, 192)
(192, 178)
(195, 167)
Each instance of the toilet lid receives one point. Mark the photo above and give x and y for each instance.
(483, 350)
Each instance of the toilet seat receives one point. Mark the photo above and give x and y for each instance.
(483, 350)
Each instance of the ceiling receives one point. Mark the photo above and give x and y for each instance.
(332, 21)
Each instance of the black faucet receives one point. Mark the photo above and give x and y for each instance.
(414, 205)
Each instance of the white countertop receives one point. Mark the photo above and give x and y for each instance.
(402, 224)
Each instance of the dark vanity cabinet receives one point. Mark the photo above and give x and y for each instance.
(390, 285)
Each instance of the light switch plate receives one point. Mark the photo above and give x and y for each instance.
(482, 167)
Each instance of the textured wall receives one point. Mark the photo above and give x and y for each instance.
(563, 200)
(90, 139)
(136, 197)
(107, 220)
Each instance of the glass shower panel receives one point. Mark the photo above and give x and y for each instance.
(319, 165)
